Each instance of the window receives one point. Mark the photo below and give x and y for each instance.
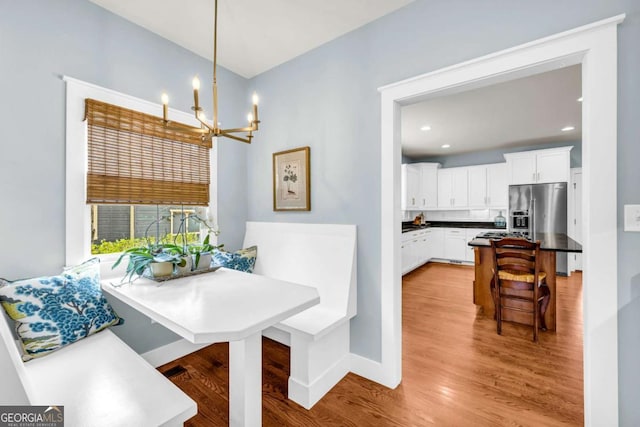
(115, 228)
(79, 214)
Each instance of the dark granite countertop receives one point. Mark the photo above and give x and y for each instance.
(408, 226)
(559, 242)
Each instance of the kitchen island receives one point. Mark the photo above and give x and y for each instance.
(550, 243)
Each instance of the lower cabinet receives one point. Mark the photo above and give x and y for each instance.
(435, 243)
(455, 244)
(418, 247)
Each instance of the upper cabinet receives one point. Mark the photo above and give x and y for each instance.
(488, 186)
(419, 186)
(428, 194)
(453, 188)
(538, 167)
(410, 182)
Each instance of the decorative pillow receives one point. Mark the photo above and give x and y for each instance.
(52, 312)
(242, 260)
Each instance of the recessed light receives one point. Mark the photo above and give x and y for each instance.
(446, 145)
(579, 99)
(567, 128)
(425, 127)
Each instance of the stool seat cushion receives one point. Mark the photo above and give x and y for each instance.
(518, 276)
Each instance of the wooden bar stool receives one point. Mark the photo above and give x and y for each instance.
(520, 292)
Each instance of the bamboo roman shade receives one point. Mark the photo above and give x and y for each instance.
(134, 159)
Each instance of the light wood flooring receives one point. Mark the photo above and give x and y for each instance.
(456, 370)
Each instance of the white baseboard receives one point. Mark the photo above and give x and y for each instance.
(371, 370)
(172, 351)
(308, 395)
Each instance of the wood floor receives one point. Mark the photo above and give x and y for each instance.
(456, 370)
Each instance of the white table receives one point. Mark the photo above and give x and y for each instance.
(222, 306)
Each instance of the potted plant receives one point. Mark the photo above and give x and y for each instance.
(184, 262)
(151, 259)
(202, 254)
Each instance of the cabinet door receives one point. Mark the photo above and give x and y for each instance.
(477, 186)
(460, 187)
(436, 249)
(428, 244)
(423, 251)
(410, 182)
(445, 190)
(497, 187)
(428, 187)
(405, 257)
(522, 168)
(454, 244)
(552, 167)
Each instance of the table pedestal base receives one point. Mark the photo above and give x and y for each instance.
(245, 382)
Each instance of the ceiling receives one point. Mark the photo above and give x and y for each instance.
(525, 111)
(253, 35)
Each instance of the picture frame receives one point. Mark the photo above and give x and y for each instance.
(292, 180)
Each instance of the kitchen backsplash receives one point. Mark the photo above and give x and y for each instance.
(457, 215)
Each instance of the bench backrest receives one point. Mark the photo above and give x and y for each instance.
(318, 255)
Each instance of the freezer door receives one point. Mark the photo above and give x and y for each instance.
(550, 208)
(550, 215)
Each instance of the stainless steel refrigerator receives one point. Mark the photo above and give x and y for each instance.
(540, 208)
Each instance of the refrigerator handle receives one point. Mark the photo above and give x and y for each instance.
(532, 218)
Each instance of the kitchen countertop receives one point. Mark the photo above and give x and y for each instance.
(558, 242)
(406, 227)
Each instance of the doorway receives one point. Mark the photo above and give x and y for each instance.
(593, 46)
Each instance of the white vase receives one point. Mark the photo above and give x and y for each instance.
(161, 269)
(187, 267)
(204, 263)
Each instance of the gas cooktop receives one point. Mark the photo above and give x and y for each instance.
(496, 235)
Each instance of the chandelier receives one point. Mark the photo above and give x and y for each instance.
(206, 130)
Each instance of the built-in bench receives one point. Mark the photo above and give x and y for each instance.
(322, 256)
(99, 380)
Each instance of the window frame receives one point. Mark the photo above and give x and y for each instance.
(77, 211)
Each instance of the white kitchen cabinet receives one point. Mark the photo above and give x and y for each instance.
(497, 186)
(539, 166)
(453, 188)
(477, 186)
(410, 185)
(428, 192)
(414, 250)
(455, 242)
(436, 243)
(488, 186)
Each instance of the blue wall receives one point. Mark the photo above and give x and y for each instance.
(497, 156)
(328, 99)
(39, 42)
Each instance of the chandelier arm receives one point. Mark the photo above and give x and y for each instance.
(206, 125)
(237, 138)
(236, 130)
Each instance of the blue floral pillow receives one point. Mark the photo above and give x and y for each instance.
(242, 260)
(51, 312)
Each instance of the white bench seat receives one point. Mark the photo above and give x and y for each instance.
(314, 322)
(100, 381)
(322, 256)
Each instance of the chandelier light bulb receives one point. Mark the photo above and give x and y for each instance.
(165, 99)
(196, 83)
(250, 117)
(255, 98)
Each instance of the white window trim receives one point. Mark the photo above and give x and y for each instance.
(78, 213)
(595, 47)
